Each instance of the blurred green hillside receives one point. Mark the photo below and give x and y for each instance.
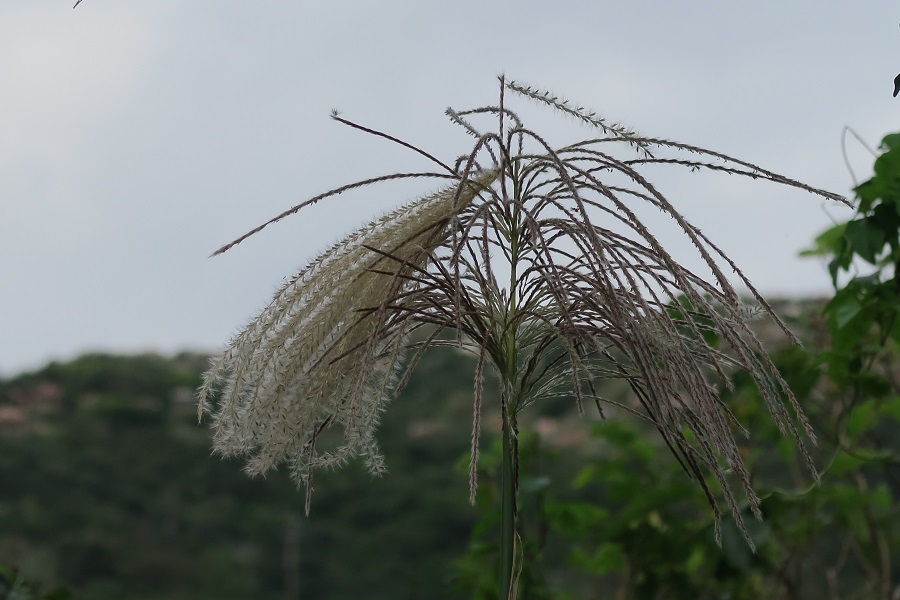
(107, 486)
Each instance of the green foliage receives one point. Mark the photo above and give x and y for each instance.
(14, 587)
(121, 499)
(862, 315)
(476, 572)
(642, 527)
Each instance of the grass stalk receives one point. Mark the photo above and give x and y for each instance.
(508, 491)
(592, 295)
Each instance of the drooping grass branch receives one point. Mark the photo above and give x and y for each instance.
(590, 294)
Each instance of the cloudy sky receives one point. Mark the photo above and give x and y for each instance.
(137, 136)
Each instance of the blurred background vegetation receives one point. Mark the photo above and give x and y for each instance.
(109, 489)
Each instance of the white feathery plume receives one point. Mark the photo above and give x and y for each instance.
(324, 352)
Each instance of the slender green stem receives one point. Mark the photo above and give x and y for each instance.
(508, 504)
(510, 407)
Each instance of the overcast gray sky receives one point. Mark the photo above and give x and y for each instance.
(137, 136)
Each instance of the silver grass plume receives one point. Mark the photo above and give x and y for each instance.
(535, 257)
(324, 354)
